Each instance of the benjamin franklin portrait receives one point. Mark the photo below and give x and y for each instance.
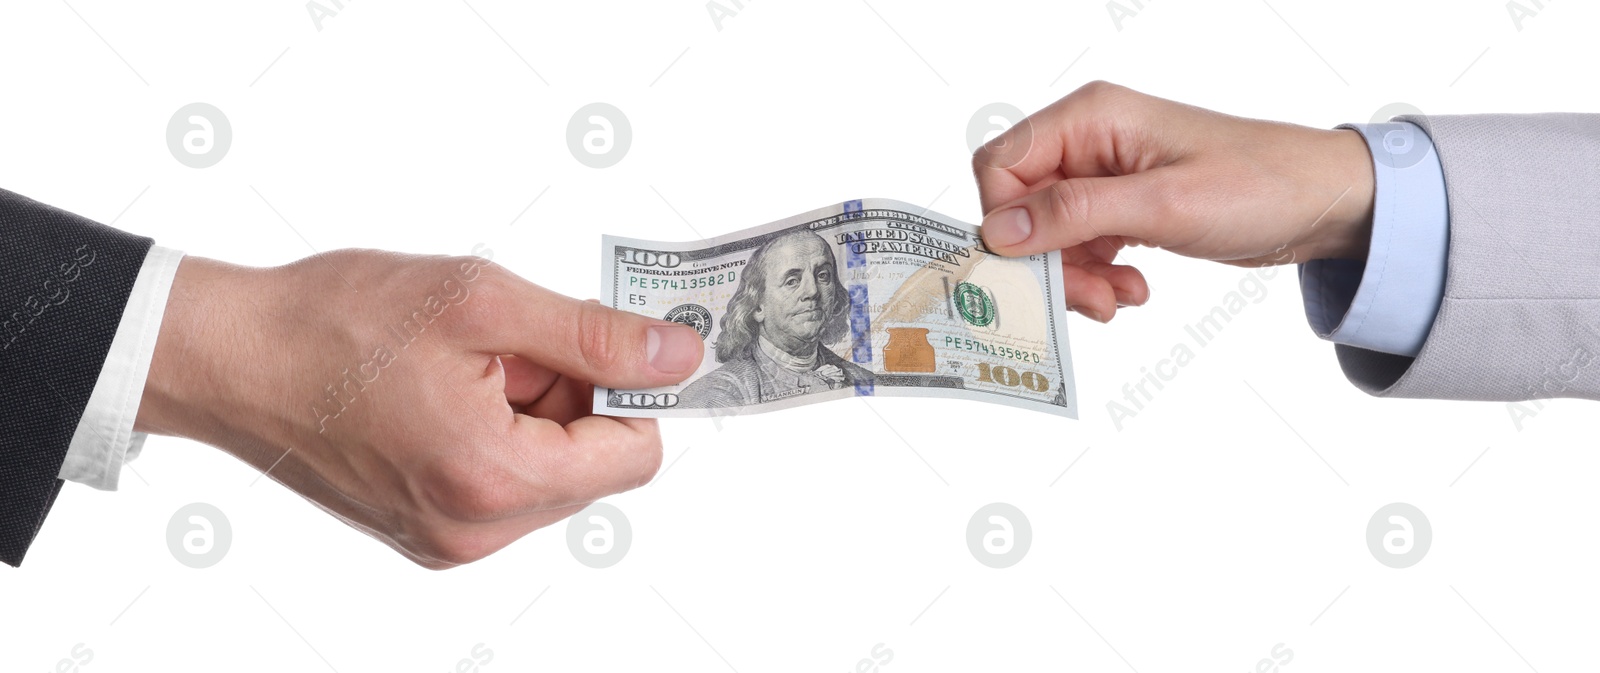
(788, 304)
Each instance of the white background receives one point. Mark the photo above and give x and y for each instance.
(1198, 537)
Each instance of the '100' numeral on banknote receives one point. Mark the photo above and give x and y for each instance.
(870, 297)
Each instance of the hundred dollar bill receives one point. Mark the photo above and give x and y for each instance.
(866, 298)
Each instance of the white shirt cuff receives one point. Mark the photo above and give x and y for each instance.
(104, 438)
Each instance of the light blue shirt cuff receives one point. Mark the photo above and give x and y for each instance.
(1388, 302)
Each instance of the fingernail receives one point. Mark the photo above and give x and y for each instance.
(672, 349)
(1007, 227)
(1088, 313)
(1126, 299)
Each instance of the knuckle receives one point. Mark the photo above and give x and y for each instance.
(1070, 202)
(443, 549)
(471, 495)
(1169, 194)
(1181, 198)
(594, 326)
(650, 459)
(476, 273)
(1100, 89)
(471, 298)
(983, 165)
(429, 563)
(1002, 151)
(1111, 101)
(1097, 87)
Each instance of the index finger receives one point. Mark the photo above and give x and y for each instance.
(1074, 137)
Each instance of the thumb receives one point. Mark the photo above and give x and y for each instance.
(586, 340)
(1073, 211)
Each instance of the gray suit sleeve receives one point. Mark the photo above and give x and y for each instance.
(1520, 318)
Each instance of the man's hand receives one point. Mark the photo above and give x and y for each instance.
(1107, 167)
(438, 404)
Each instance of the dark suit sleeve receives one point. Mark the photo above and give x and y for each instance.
(64, 281)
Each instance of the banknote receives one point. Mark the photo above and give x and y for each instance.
(868, 298)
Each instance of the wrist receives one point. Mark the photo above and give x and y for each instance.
(1345, 166)
(205, 324)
